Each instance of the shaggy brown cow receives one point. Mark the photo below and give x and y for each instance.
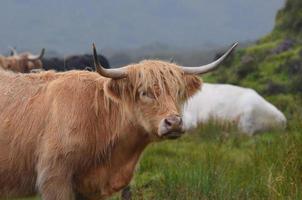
(23, 62)
(79, 135)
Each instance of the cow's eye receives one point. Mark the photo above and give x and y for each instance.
(146, 95)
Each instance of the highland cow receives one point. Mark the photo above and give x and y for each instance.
(79, 134)
(230, 104)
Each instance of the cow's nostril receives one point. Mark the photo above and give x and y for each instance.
(168, 122)
(173, 121)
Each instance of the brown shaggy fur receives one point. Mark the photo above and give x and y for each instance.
(20, 63)
(72, 134)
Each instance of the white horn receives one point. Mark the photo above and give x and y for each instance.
(13, 51)
(109, 73)
(209, 67)
(30, 57)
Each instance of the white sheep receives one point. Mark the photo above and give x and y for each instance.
(224, 103)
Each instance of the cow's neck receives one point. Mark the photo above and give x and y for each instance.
(118, 170)
(125, 155)
(129, 139)
(133, 141)
(128, 147)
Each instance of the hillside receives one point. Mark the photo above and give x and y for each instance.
(273, 65)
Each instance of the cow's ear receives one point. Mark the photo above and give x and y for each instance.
(114, 89)
(193, 84)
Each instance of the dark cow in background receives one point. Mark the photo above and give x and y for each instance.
(80, 62)
(26, 62)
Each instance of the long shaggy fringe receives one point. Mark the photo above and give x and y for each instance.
(159, 78)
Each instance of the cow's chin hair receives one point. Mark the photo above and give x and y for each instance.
(171, 135)
(155, 135)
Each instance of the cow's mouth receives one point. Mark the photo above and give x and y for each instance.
(173, 134)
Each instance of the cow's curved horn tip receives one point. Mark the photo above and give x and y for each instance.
(235, 44)
(42, 51)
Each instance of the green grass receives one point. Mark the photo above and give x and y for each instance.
(211, 163)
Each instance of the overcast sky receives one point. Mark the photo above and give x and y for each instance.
(70, 26)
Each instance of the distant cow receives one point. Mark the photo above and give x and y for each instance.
(23, 62)
(224, 103)
(73, 62)
(79, 134)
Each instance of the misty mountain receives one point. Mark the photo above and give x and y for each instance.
(70, 26)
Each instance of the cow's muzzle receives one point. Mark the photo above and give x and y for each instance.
(171, 127)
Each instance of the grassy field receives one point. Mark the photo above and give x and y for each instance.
(210, 164)
(214, 164)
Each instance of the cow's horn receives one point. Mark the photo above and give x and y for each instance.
(13, 51)
(109, 73)
(172, 60)
(37, 57)
(209, 67)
